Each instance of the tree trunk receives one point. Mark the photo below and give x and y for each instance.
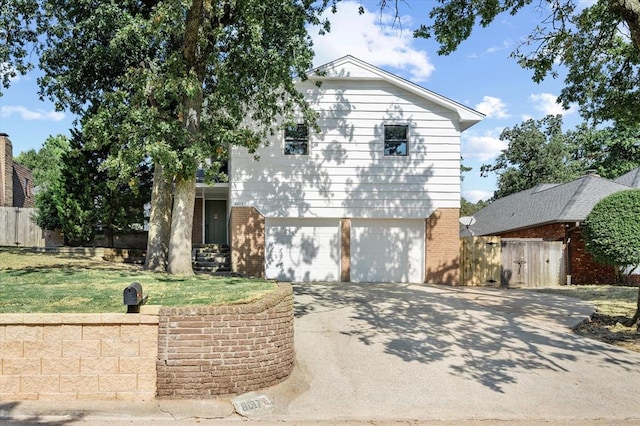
(159, 221)
(181, 227)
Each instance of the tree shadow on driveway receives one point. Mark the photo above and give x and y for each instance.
(486, 335)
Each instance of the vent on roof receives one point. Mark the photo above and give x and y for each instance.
(592, 172)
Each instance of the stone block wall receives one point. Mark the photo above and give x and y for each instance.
(78, 356)
(206, 351)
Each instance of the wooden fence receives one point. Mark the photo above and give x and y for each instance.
(511, 262)
(480, 261)
(532, 263)
(18, 230)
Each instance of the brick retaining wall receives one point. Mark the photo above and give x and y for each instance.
(209, 351)
(181, 353)
(78, 356)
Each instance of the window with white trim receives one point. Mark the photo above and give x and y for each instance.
(396, 140)
(296, 140)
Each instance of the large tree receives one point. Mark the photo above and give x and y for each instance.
(539, 151)
(175, 81)
(599, 45)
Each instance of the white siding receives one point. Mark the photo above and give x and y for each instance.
(345, 173)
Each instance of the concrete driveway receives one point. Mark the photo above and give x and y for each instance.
(394, 352)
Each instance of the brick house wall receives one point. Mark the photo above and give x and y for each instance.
(442, 247)
(22, 187)
(578, 262)
(247, 229)
(207, 351)
(6, 171)
(196, 231)
(16, 181)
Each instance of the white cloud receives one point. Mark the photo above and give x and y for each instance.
(482, 147)
(546, 104)
(30, 115)
(493, 107)
(505, 45)
(373, 37)
(475, 195)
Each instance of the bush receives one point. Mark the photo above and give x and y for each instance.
(612, 229)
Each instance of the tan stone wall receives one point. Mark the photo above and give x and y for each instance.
(442, 247)
(206, 351)
(247, 229)
(78, 356)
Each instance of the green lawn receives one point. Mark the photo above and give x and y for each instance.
(46, 283)
(608, 299)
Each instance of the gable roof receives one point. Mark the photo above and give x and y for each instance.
(631, 179)
(544, 204)
(356, 69)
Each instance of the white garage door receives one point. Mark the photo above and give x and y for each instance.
(302, 249)
(387, 250)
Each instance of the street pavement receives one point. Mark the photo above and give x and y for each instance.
(412, 354)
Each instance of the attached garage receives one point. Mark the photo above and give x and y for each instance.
(302, 249)
(387, 250)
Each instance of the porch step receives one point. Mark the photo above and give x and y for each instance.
(212, 258)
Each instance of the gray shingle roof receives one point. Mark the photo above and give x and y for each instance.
(631, 179)
(543, 204)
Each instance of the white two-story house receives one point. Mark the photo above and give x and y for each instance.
(374, 196)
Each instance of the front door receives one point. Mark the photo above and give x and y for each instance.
(215, 222)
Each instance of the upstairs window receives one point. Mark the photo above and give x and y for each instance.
(296, 140)
(395, 140)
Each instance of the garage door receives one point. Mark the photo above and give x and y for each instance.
(387, 250)
(302, 249)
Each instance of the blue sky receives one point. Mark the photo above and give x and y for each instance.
(479, 74)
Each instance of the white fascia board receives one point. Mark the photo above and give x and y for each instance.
(335, 70)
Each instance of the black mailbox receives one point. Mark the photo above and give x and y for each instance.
(133, 297)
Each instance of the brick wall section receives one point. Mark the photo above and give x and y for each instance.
(442, 247)
(247, 229)
(6, 171)
(196, 231)
(584, 269)
(209, 351)
(345, 250)
(78, 356)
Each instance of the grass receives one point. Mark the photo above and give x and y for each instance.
(613, 304)
(33, 282)
(608, 300)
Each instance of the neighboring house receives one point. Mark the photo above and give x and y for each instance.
(373, 196)
(555, 212)
(16, 181)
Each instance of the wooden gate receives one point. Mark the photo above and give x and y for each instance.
(532, 263)
(480, 261)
